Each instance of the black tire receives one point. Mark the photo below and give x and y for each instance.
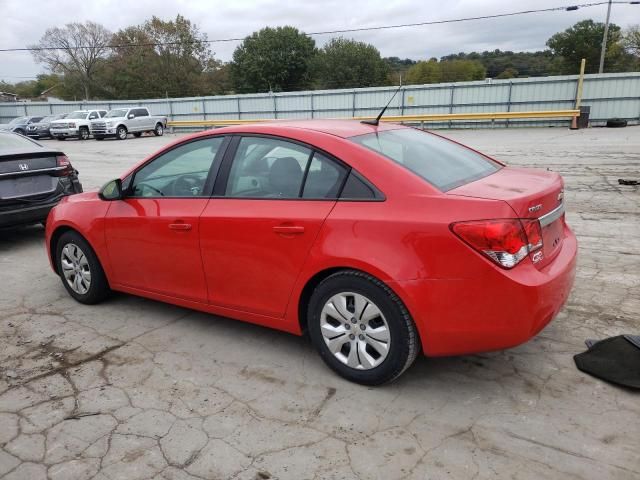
(60, 138)
(19, 130)
(83, 133)
(404, 340)
(616, 123)
(158, 131)
(121, 132)
(137, 134)
(99, 286)
(98, 137)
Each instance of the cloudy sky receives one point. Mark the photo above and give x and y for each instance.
(23, 23)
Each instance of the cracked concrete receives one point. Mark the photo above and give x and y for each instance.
(136, 389)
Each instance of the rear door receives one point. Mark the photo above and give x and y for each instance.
(153, 234)
(258, 229)
(28, 172)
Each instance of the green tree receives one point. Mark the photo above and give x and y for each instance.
(343, 63)
(273, 59)
(631, 40)
(424, 72)
(445, 71)
(584, 40)
(509, 72)
(161, 58)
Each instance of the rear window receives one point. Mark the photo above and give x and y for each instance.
(11, 142)
(441, 162)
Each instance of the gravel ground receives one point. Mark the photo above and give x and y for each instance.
(137, 389)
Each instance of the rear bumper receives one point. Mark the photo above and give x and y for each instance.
(26, 215)
(500, 310)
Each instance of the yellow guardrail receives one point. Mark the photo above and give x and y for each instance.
(435, 117)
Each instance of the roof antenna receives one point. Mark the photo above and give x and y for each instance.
(376, 122)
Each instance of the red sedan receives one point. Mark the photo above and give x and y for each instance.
(379, 241)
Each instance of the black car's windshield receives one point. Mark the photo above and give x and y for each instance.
(119, 112)
(18, 120)
(441, 162)
(9, 141)
(77, 115)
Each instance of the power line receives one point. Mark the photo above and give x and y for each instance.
(347, 30)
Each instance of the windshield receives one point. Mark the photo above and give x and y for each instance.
(441, 162)
(77, 115)
(18, 120)
(119, 112)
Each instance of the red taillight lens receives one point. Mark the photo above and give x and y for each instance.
(63, 161)
(505, 241)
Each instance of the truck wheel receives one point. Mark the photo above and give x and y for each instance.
(159, 130)
(137, 134)
(83, 133)
(121, 133)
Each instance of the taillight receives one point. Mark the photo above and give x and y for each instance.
(63, 161)
(506, 241)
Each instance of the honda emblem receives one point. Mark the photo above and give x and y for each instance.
(23, 166)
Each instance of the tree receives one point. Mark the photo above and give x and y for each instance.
(508, 73)
(445, 71)
(174, 54)
(631, 40)
(584, 40)
(343, 63)
(273, 59)
(75, 50)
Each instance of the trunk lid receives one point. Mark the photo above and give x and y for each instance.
(28, 176)
(531, 193)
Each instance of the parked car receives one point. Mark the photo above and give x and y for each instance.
(40, 129)
(379, 241)
(119, 122)
(33, 179)
(20, 124)
(75, 124)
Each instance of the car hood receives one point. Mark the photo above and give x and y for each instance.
(110, 119)
(39, 124)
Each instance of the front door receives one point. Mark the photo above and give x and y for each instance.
(258, 230)
(153, 234)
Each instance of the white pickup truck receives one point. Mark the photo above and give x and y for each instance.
(75, 124)
(120, 122)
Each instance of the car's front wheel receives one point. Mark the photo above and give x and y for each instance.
(80, 270)
(83, 133)
(361, 328)
(121, 133)
(159, 130)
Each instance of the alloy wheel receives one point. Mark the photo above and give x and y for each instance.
(75, 268)
(355, 331)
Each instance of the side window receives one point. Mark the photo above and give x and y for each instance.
(324, 179)
(181, 172)
(93, 115)
(267, 168)
(357, 189)
(142, 112)
(102, 113)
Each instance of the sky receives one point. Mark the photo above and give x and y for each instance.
(23, 23)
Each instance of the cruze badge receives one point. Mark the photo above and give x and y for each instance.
(536, 257)
(535, 208)
(23, 166)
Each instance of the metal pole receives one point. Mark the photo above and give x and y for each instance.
(604, 38)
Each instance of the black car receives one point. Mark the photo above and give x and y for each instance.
(33, 179)
(40, 129)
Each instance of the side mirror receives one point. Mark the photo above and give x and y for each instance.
(130, 116)
(111, 190)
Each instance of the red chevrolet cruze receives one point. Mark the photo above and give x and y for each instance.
(378, 241)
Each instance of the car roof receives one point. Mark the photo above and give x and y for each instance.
(339, 128)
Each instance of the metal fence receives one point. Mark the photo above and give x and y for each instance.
(608, 95)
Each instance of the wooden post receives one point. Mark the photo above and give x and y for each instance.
(574, 121)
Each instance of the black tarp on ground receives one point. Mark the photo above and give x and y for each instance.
(615, 359)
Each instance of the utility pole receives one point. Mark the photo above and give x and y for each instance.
(604, 38)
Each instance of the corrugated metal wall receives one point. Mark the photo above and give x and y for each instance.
(608, 95)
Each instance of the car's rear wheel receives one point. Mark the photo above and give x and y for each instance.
(121, 133)
(80, 270)
(159, 130)
(361, 328)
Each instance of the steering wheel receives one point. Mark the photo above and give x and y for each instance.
(141, 186)
(188, 185)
